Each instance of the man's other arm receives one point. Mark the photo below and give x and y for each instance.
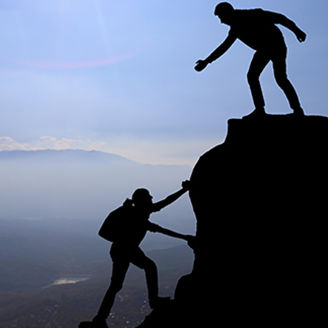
(286, 22)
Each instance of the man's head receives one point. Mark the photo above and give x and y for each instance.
(142, 197)
(224, 11)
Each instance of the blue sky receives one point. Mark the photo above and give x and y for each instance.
(117, 75)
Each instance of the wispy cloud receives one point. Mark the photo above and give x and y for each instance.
(7, 143)
(48, 142)
(182, 152)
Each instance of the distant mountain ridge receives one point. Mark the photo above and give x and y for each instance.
(81, 184)
(67, 154)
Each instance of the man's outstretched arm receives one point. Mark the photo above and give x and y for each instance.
(284, 21)
(217, 53)
(172, 198)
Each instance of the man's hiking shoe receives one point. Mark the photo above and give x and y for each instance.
(256, 113)
(298, 112)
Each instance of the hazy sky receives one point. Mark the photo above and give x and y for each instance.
(117, 75)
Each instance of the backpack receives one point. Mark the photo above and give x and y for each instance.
(114, 225)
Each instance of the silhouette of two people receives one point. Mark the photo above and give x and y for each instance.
(257, 29)
(129, 232)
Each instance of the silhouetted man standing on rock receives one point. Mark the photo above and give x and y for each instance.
(126, 227)
(257, 29)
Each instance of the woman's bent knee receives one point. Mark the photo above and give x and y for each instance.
(150, 265)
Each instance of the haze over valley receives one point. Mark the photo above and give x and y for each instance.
(54, 266)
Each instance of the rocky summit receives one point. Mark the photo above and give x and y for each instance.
(260, 200)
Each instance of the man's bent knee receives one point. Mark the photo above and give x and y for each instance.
(282, 79)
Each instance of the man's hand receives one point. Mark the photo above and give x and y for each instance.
(200, 65)
(300, 35)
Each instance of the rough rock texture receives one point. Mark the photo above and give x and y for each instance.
(260, 200)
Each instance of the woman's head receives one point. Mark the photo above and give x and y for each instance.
(141, 197)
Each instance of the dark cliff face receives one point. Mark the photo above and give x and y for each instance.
(268, 177)
(260, 203)
(260, 200)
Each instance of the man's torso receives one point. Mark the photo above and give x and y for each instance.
(255, 28)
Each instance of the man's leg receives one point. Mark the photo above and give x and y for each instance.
(280, 73)
(259, 61)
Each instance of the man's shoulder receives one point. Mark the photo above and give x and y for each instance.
(252, 17)
(249, 12)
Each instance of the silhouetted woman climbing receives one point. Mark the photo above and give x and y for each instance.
(126, 227)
